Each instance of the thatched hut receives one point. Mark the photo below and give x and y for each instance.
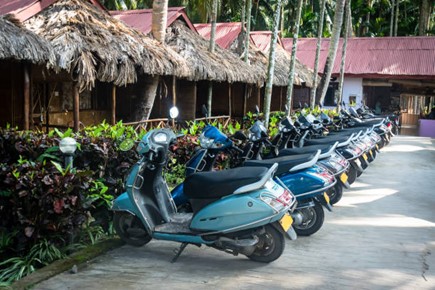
(230, 36)
(19, 50)
(222, 67)
(95, 54)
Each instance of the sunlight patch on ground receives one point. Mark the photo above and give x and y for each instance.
(352, 198)
(404, 148)
(397, 221)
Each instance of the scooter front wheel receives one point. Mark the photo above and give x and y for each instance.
(312, 220)
(130, 229)
(270, 246)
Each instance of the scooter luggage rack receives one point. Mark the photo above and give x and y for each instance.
(307, 164)
(330, 151)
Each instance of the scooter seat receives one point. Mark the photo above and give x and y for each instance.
(324, 148)
(285, 163)
(216, 184)
(327, 140)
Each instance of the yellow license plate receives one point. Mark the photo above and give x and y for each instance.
(365, 156)
(326, 196)
(343, 177)
(377, 146)
(371, 153)
(286, 222)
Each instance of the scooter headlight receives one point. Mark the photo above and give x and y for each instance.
(209, 143)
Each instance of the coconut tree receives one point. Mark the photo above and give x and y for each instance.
(343, 54)
(293, 58)
(318, 45)
(211, 49)
(271, 65)
(146, 98)
(424, 21)
(333, 45)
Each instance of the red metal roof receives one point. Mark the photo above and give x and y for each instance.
(374, 57)
(262, 39)
(24, 9)
(226, 33)
(142, 19)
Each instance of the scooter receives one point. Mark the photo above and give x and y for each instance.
(239, 211)
(310, 194)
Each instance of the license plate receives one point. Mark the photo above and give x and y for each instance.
(286, 222)
(365, 156)
(377, 146)
(343, 177)
(371, 153)
(326, 196)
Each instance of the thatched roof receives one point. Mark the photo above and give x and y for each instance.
(222, 65)
(92, 45)
(18, 43)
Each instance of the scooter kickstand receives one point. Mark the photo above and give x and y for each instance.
(178, 252)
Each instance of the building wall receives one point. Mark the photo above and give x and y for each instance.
(353, 87)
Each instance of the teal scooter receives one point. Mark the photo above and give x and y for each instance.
(244, 211)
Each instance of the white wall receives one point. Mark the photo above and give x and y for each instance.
(353, 87)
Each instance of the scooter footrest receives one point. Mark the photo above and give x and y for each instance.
(174, 228)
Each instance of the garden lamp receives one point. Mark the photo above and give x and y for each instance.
(68, 146)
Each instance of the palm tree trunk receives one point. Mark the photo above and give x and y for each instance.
(425, 11)
(338, 21)
(211, 49)
(316, 61)
(396, 17)
(393, 3)
(271, 66)
(367, 22)
(343, 54)
(248, 29)
(293, 59)
(146, 98)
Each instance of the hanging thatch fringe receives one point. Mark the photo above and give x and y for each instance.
(92, 45)
(222, 65)
(16, 42)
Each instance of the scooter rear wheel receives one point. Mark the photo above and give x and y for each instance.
(312, 221)
(352, 175)
(270, 247)
(335, 193)
(130, 229)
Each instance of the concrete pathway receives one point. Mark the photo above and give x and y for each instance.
(381, 235)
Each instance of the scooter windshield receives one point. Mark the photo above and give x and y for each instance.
(217, 137)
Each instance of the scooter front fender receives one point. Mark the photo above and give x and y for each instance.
(123, 203)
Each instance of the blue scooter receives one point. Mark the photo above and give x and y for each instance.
(307, 181)
(239, 211)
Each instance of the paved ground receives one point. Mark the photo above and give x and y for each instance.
(381, 235)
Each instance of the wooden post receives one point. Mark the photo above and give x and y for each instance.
(229, 100)
(245, 98)
(259, 98)
(26, 97)
(113, 105)
(174, 91)
(195, 98)
(76, 106)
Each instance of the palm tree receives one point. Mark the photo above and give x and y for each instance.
(211, 49)
(146, 99)
(343, 54)
(333, 44)
(424, 19)
(271, 66)
(293, 59)
(316, 61)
